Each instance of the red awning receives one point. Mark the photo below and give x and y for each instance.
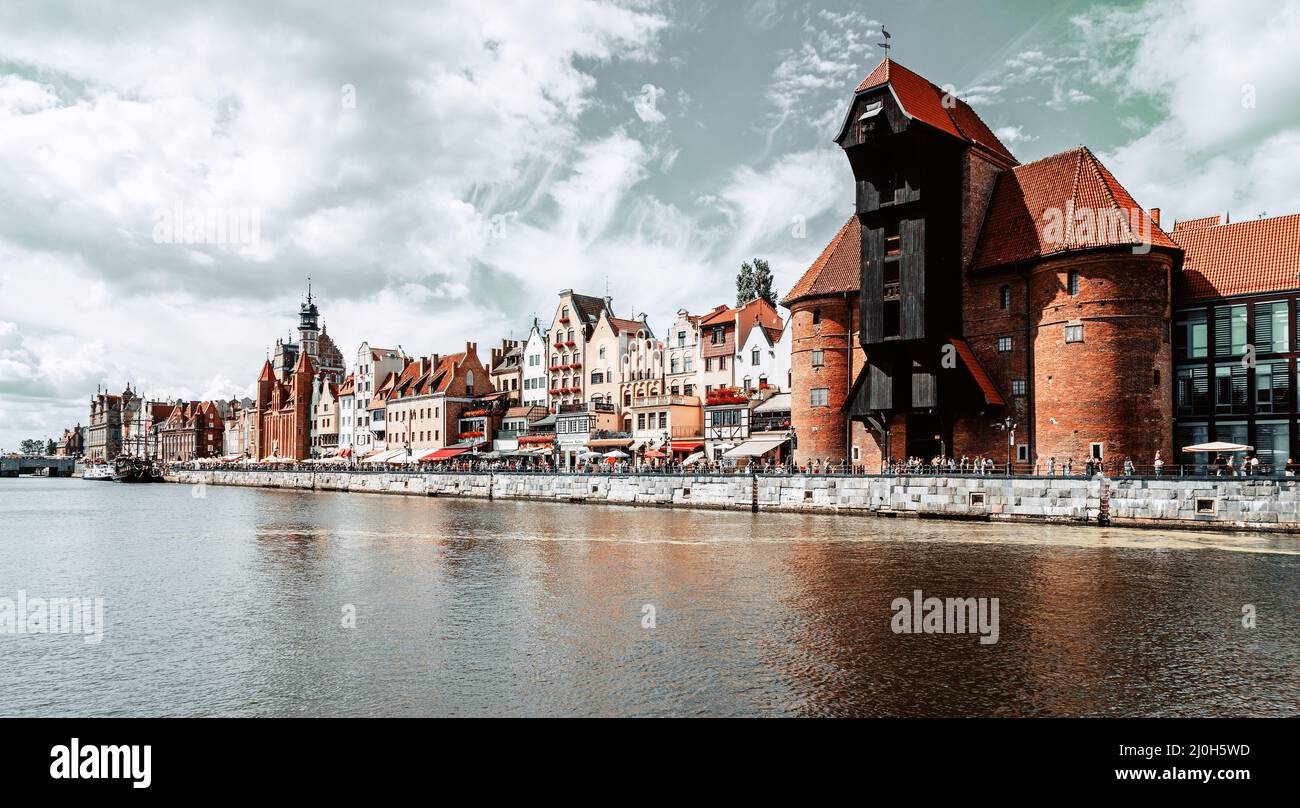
(442, 454)
(687, 445)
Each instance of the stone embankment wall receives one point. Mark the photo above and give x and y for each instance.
(1255, 503)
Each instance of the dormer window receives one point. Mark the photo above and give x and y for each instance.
(870, 111)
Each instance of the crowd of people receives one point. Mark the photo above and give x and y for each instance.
(1223, 465)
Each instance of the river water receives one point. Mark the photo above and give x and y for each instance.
(246, 602)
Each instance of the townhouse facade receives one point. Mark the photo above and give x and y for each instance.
(535, 374)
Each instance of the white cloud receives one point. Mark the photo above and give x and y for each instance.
(1011, 135)
(1229, 135)
(646, 104)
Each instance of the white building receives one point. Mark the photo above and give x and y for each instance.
(682, 356)
(374, 366)
(347, 415)
(763, 352)
(533, 386)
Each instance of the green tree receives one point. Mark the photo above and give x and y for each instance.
(744, 284)
(753, 282)
(763, 281)
(33, 446)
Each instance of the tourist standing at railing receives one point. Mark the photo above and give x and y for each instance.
(1128, 467)
(1158, 463)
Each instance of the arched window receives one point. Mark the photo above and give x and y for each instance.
(469, 382)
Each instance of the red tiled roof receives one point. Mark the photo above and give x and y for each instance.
(837, 270)
(721, 315)
(626, 325)
(445, 372)
(757, 312)
(1017, 227)
(1250, 257)
(925, 102)
(1193, 224)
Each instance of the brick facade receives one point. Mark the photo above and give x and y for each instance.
(823, 329)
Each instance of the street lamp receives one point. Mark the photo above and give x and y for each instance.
(1008, 425)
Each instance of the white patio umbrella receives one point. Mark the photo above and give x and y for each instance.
(693, 459)
(589, 455)
(617, 453)
(1218, 446)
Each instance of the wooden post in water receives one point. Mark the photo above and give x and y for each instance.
(1103, 506)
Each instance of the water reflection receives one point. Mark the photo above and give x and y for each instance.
(234, 605)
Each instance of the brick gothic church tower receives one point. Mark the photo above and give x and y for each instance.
(970, 293)
(283, 412)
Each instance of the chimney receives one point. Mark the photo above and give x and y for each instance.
(1155, 215)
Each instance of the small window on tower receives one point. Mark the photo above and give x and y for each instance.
(1006, 297)
(893, 241)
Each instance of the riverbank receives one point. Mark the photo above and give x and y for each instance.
(1217, 503)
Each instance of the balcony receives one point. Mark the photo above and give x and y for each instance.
(666, 401)
(583, 406)
(776, 424)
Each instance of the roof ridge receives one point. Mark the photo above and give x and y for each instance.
(821, 260)
(1073, 199)
(1097, 169)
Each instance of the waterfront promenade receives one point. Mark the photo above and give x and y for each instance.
(1249, 503)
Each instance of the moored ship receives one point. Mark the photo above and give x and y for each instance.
(127, 469)
(97, 471)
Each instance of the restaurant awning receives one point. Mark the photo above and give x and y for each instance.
(379, 458)
(687, 445)
(610, 443)
(755, 448)
(442, 454)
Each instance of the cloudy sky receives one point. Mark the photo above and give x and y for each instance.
(442, 168)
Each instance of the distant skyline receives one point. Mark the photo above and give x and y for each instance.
(443, 169)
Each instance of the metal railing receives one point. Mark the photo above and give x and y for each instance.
(543, 465)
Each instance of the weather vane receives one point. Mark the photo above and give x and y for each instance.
(885, 44)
